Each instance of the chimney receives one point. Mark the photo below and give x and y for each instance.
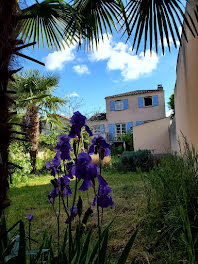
(159, 87)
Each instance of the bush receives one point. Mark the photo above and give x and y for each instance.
(128, 139)
(20, 158)
(131, 160)
(41, 160)
(117, 150)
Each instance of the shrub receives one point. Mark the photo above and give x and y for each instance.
(19, 157)
(117, 150)
(131, 160)
(128, 139)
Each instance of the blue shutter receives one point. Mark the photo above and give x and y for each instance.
(112, 106)
(111, 131)
(139, 123)
(155, 100)
(140, 101)
(129, 126)
(102, 129)
(125, 103)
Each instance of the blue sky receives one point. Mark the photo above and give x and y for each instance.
(111, 69)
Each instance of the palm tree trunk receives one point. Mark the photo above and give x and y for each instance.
(7, 43)
(32, 120)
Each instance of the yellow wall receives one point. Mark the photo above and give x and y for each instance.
(186, 90)
(153, 136)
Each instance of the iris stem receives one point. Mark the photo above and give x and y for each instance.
(58, 223)
(30, 239)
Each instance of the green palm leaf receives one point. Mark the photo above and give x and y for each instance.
(157, 20)
(96, 17)
(46, 22)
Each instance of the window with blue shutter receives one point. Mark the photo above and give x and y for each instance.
(129, 126)
(139, 123)
(140, 102)
(111, 131)
(112, 106)
(102, 129)
(155, 100)
(125, 103)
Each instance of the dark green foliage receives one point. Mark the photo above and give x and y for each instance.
(49, 141)
(128, 139)
(131, 160)
(171, 103)
(13, 246)
(117, 150)
(17, 156)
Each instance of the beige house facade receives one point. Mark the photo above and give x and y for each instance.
(153, 136)
(128, 110)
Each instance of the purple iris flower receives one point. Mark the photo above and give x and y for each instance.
(104, 199)
(29, 217)
(70, 168)
(52, 196)
(64, 147)
(86, 171)
(82, 163)
(73, 213)
(99, 143)
(78, 121)
(56, 162)
(64, 186)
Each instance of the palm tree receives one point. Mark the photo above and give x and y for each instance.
(52, 21)
(34, 98)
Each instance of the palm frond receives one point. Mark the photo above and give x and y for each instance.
(96, 18)
(157, 21)
(46, 22)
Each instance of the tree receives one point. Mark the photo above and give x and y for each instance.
(171, 103)
(34, 97)
(52, 21)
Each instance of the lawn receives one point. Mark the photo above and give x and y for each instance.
(129, 211)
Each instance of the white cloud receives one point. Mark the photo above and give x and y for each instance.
(168, 113)
(57, 59)
(81, 69)
(103, 50)
(74, 94)
(120, 57)
(170, 42)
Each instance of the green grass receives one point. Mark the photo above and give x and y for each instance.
(128, 196)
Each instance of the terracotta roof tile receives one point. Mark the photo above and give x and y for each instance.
(98, 117)
(134, 93)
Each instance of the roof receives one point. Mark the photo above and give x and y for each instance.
(98, 117)
(134, 93)
(64, 117)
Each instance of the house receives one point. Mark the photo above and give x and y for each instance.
(127, 110)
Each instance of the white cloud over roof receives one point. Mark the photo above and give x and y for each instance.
(120, 57)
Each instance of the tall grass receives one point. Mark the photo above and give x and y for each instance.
(172, 202)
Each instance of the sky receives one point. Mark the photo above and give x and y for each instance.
(111, 69)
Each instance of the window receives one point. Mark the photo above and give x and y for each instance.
(148, 101)
(96, 129)
(119, 105)
(120, 129)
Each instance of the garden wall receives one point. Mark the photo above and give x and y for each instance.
(153, 136)
(186, 90)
